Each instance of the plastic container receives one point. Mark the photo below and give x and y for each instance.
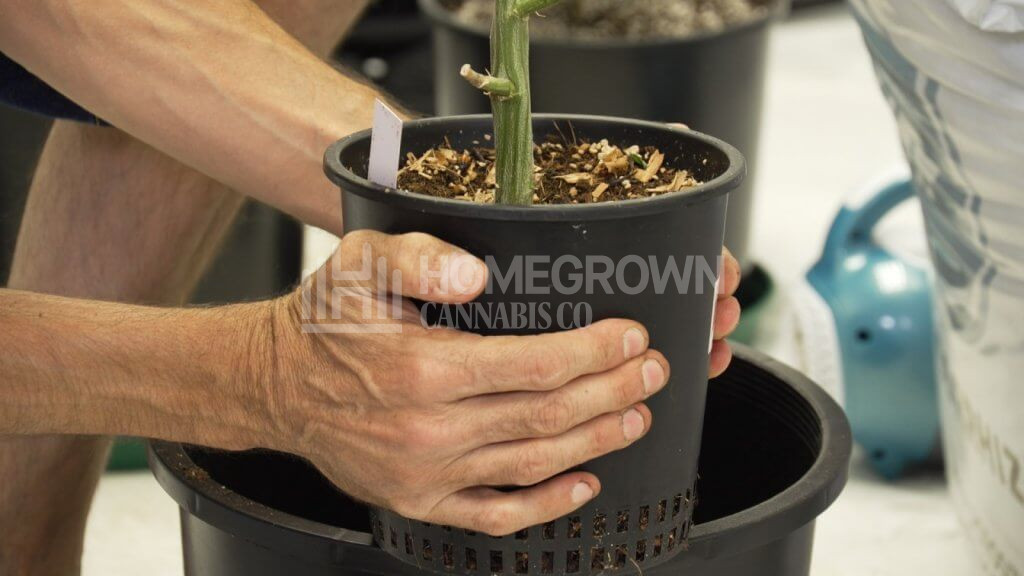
(712, 82)
(865, 317)
(647, 490)
(775, 455)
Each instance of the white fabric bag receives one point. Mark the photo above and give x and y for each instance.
(954, 74)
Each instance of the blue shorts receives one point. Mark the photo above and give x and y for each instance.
(22, 89)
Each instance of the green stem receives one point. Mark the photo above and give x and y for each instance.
(509, 89)
(513, 130)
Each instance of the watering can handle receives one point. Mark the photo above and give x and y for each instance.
(853, 224)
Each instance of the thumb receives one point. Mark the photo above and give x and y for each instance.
(414, 265)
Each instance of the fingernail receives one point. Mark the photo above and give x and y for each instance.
(633, 342)
(582, 492)
(632, 424)
(465, 273)
(653, 375)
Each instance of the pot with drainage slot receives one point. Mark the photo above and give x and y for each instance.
(555, 267)
(774, 456)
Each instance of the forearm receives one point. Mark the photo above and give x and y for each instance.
(217, 85)
(82, 367)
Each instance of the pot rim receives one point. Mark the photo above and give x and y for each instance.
(439, 14)
(796, 506)
(351, 182)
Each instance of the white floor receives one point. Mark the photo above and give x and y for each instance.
(827, 130)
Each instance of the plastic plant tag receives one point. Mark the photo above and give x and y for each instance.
(714, 307)
(385, 146)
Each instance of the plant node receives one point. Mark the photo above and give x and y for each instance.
(490, 85)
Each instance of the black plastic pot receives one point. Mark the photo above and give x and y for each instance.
(633, 242)
(712, 82)
(775, 456)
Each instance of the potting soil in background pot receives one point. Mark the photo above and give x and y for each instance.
(706, 70)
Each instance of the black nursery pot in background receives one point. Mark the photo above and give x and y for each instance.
(652, 260)
(713, 82)
(774, 457)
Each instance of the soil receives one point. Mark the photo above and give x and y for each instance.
(196, 473)
(575, 527)
(566, 172)
(629, 19)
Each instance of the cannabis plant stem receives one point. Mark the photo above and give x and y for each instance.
(508, 86)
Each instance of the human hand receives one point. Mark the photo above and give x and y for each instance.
(727, 309)
(427, 422)
(727, 314)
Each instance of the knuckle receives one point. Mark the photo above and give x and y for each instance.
(605, 345)
(497, 520)
(605, 438)
(406, 507)
(549, 368)
(554, 415)
(403, 481)
(431, 381)
(355, 240)
(529, 468)
(630, 384)
(423, 435)
(417, 371)
(414, 244)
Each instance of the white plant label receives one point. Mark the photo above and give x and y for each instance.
(385, 146)
(714, 307)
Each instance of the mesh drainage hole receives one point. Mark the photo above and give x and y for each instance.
(572, 562)
(547, 562)
(575, 527)
(597, 561)
(522, 563)
(496, 563)
(600, 525)
(622, 522)
(620, 556)
(641, 550)
(448, 555)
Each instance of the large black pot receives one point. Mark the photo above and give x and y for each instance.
(640, 240)
(712, 82)
(775, 456)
